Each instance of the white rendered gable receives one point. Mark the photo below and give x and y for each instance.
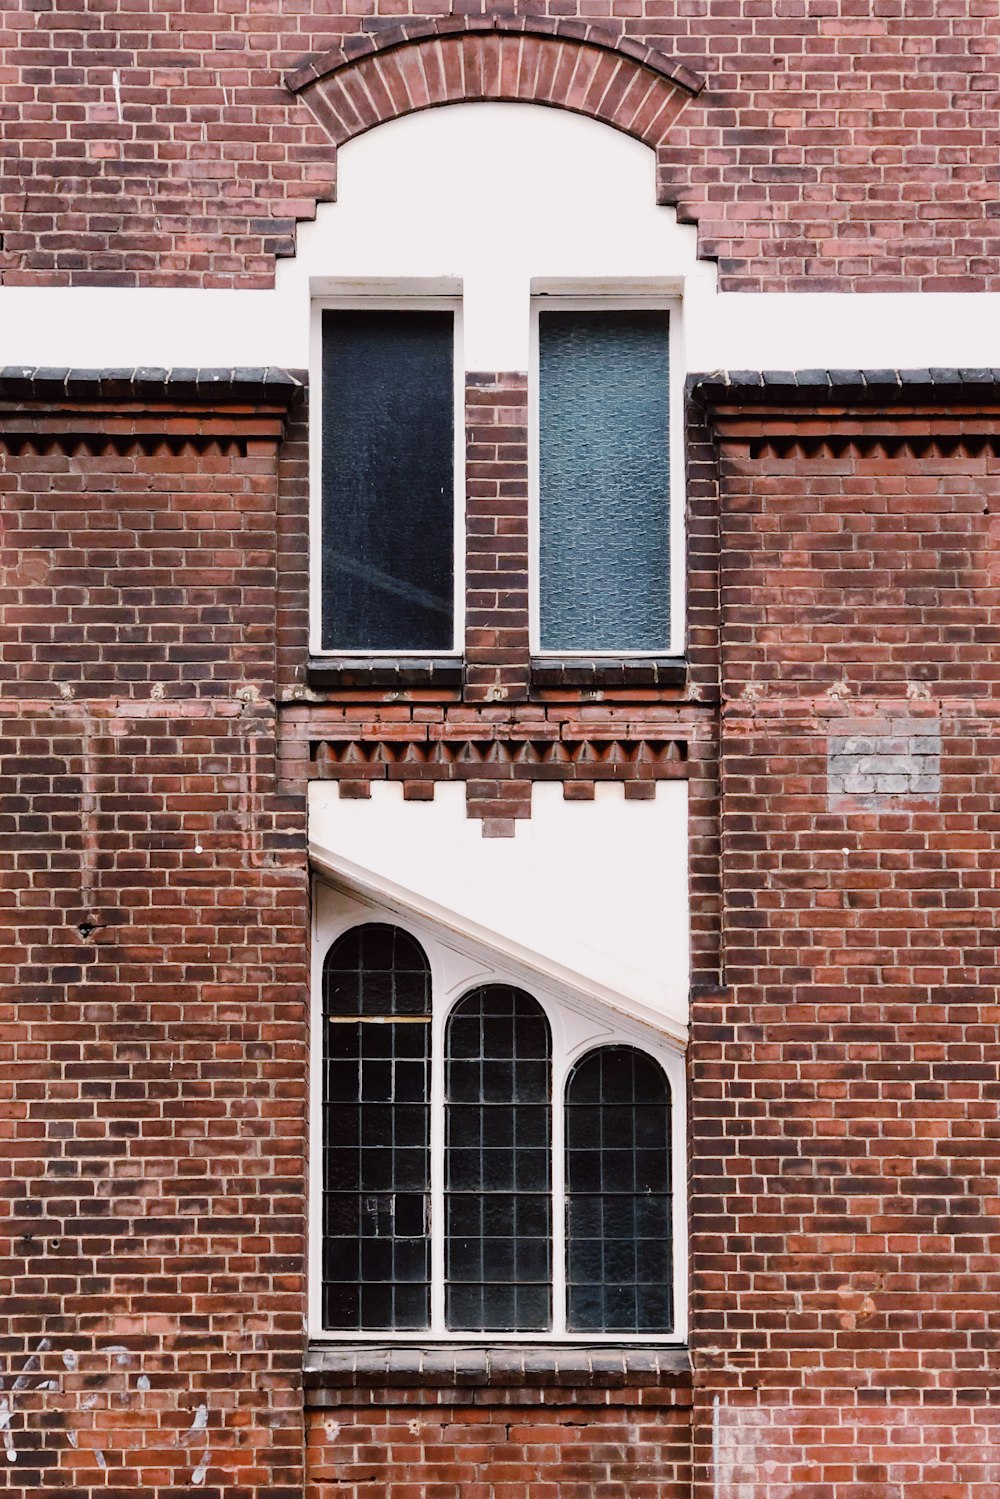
(589, 897)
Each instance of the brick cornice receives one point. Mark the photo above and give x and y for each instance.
(919, 405)
(46, 407)
(564, 63)
(208, 386)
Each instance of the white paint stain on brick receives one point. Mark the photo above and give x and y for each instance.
(881, 763)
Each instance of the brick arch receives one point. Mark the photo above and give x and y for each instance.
(566, 64)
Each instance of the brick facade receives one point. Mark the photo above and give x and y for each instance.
(850, 1061)
(834, 718)
(508, 1425)
(830, 147)
(154, 904)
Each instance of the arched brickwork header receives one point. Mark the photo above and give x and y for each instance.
(564, 63)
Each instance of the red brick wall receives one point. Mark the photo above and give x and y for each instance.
(131, 570)
(154, 915)
(843, 1078)
(833, 146)
(845, 1086)
(560, 1442)
(870, 568)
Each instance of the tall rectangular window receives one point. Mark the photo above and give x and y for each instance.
(604, 481)
(388, 481)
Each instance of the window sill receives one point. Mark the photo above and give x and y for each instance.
(392, 672)
(608, 671)
(463, 1366)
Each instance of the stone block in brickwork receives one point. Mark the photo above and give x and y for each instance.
(883, 762)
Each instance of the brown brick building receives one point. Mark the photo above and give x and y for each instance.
(498, 758)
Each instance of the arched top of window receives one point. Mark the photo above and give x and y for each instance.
(617, 1075)
(618, 1206)
(502, 1033)
(376, 970)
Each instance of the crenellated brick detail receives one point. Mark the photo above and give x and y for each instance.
(497, 754)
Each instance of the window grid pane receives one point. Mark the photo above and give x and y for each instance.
(498, 1123)
(376, 1132)
(388, 480)
(604, 480)
(619, 1268)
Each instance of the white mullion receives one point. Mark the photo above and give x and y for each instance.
(437, 1160)
(558, 1196)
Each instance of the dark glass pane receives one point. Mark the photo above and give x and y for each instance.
(388, 480)
(376, 970)
(618, 1204)
(498, 1211)
(376, 1132)
(604, 481)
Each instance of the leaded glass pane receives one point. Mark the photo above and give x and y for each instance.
(376, 1132)
(619, 1267)
(388, 480)
(604, 481)
(498, 1211)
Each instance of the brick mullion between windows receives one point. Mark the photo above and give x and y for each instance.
(496, 577)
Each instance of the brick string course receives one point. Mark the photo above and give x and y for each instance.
(832, 146)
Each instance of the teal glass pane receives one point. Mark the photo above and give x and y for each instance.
(604, 481)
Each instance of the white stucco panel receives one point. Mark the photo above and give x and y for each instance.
(589, 896)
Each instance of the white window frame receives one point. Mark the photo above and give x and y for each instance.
(338, 912)
(408, 296)
(613, 296)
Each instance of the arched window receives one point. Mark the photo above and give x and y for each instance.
(619, 1267)
(376, 1131)
(475, 1180)
(498, 1167)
